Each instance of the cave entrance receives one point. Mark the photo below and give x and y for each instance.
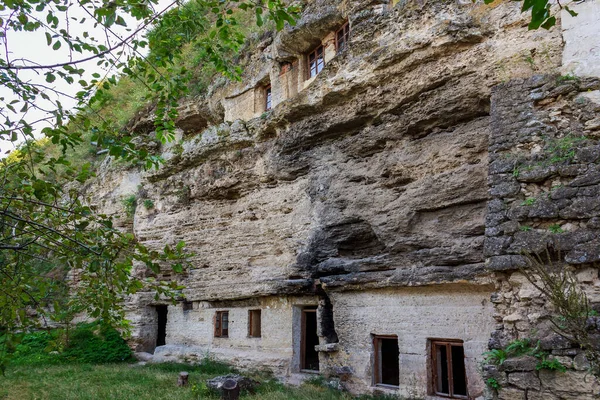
(309, 357)
(161, 317)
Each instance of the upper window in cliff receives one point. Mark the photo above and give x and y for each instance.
(254, 322)
(286, 67)
(341, 38)
(222, 324)
(386, 368)
(448, 375)
(268, 98)
(316, 61)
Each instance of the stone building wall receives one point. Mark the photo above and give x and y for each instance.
(190, 334)
(415, 315)
(544, 182)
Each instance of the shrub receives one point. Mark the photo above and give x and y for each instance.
(495, 356)
(86, 343)
(551, 364)
(555, 228)
(96, 343)
(493, 383)
(148, 204)
(130, 204)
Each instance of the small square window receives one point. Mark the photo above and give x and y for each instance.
(222, 324)
(386, 368)
(341, 38)
(254, 323)
(316, 61)
(448, 374)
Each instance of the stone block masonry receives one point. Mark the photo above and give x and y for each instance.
(545, 194)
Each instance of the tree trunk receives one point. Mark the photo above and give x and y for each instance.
(183, 379)
(230, 390)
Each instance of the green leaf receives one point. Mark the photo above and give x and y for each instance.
(573, 13)
(56, 46)
(550, 22)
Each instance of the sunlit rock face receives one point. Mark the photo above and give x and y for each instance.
(371, 177)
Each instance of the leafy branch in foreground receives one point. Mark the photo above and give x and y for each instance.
(541, 12)
(58, 256)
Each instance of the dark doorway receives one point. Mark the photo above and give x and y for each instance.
(387, 365)
(309, 356)
(161, 335)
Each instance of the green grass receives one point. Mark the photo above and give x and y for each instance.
(134, 382)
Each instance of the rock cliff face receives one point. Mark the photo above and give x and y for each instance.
(365, 180)
(374, 175)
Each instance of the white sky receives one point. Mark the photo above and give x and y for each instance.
(33, 46)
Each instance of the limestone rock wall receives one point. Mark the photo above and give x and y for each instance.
(374, 175)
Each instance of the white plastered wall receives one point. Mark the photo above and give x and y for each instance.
(190, 334)
(581, 34)
(414, 315)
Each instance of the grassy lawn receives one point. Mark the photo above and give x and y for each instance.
(132, 382)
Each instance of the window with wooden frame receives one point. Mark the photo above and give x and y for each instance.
(222, 324)
(316, 61)
(448, 375)
(386, 361)
(341, 38)
(254, 323)
(268, 98)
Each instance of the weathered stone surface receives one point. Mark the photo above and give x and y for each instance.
(524, 380)
(142, 356)
(511, 394)
(559, 381)
(520, 364)
(243, 382)
(541, 395)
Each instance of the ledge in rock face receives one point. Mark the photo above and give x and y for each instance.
(328, 348)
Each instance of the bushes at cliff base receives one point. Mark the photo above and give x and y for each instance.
(92, 343)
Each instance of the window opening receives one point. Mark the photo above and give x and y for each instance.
(254, 323)
(222, 324)
(309, 356)
(268, 98)
(341, 38)
(187, 306)
(316, 61)
(161, 334)
(286, 67)
(386, 370)
(448, 369)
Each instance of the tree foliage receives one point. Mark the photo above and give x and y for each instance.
(541, 12)
(574, 318)
(58, 255)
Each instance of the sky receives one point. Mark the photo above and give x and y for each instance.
(33, 46)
